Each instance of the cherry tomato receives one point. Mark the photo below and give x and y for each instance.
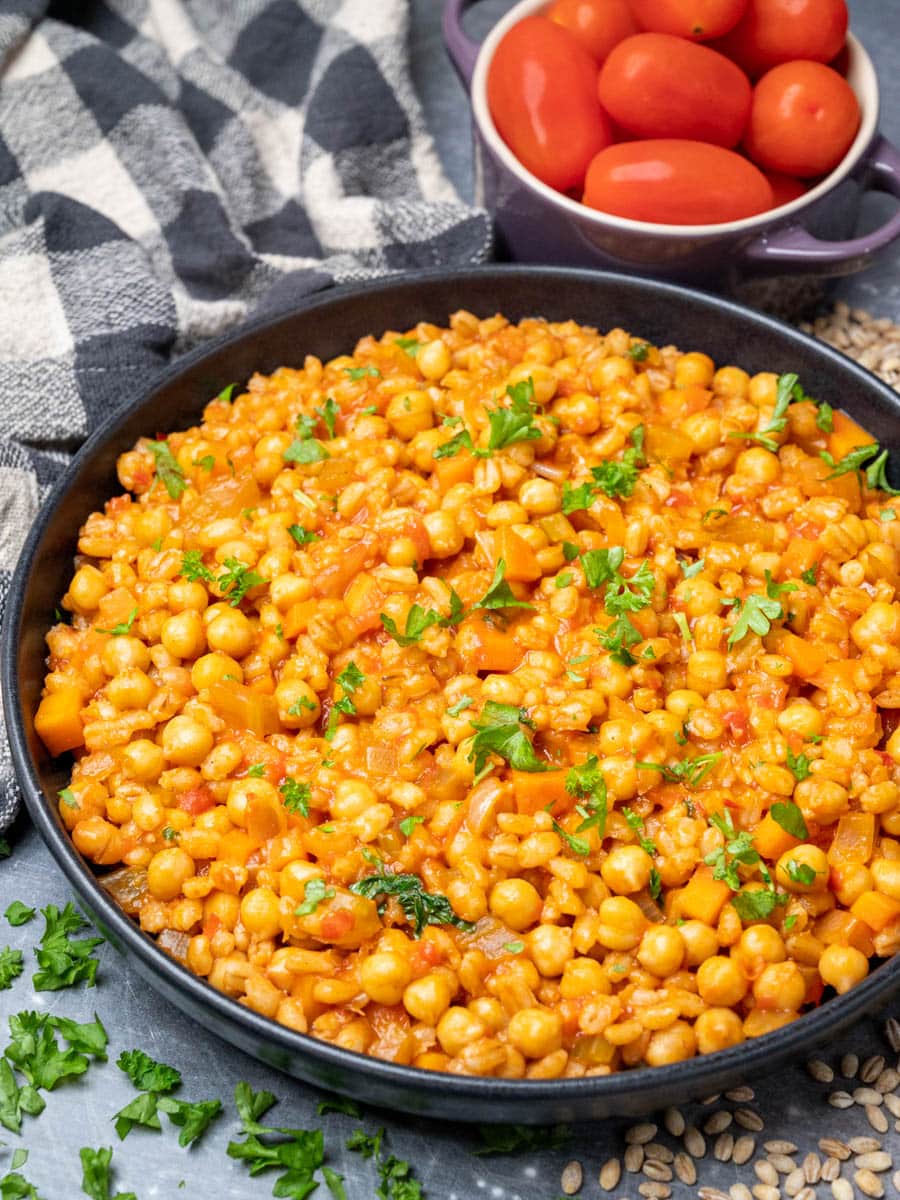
(542, 93)
(658, 86)
(598, 24)
(676, 182)
(694, 19)
(803, 119)
(777, 31)
(785, 188)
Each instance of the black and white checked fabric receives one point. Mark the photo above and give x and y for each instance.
(168, 167)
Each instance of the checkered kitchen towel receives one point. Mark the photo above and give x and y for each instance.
(168, 167)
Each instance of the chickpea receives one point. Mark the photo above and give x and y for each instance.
(516, 902)
(661, 950)
(187, 594)
(731, 381)
(543, 379)
(186, 742)
(167, 872)
(121, 653)
(260, 912)
(717, 1029)
(459, 1028)
(434, 359)
(535, 1032)
(352, 798)
(87, 589)
(721, 982)
(843, 967)
(671, 1045)
(803, 870)
(626, 869)
(183, 635)
(694, 368)
(98, 840)
(758, 465)
(583, 977)
(551, 948)
(822, 801)
(467, 899)
(780, 986)
(762, 942)
(231, 632)
(540, 497)
(707, 671)
(682, 701)
(886, 876)
(130, 689)
(384, 976)
(214, 668)
(802, 718)
(410, 413)
(143, 760)
(700, 942)
(445, 537)
(428, 998)
(878, 626)
(621, 923)
(298, 704)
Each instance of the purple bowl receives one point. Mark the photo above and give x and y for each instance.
(810, 235)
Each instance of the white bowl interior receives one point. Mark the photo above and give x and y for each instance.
(860, 75)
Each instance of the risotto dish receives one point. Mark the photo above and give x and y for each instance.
(511, 700)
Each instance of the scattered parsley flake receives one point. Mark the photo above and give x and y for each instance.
(18, 913)
(123, 628)
(356, 373)
(303, 536)
(789, 816)
(417, 621)
(168, 472)
(61, 961)
(236, 581)
(499, 731)
(314, 893)
(193, 568)
(499, 593)
(296, 796)
(419, 907)
(460, 706)
(408, 824)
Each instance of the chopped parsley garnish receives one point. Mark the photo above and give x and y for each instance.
(738, 848)
(587, 784)
(236, 581)
(809, 576)
(460, 706)
(408, 824)
(304, 704)
(689, 771)
(314, 893)
(874, 473)
(801, 873)
(206, 463)
(257, 770)
(622, 595)
(12, 964)
(329, 412)
(887, 514)
(355, 373)
(171, 835)
(636, 825)
(514, 947)
(168, 471)
(417, 621)
(515, 423)
(798, 765)
(500, 594)
(789, 816)
(96, 1171)
(305, 450)
(303, 536)
(638, 351)
(690, 569)
(296, 796)
(123, 628)
(613, 478)
(683, 628)
(759, 904)
(339, 1104)
(421, 908)
(825, 417)
(18, 913)
(460, 441)
(563, 580)
(193, 567)
(351, 680)
(35, 1052)
(15, 1101)
(512, 1139)
(618, 637)
(500, 732)
(61, 961)
(226, 394)
(298, 1153)
(577, 845)
(146, 1074)
(409, 345)
(570, 551)
(755, 614)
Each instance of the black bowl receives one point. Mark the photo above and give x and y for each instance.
(329, 326)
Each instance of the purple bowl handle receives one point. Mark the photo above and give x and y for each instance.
(795, 248)
(462, 49)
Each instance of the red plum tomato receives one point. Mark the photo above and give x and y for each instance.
(542, 93)
(698, 20)
(785, 188)
(776, 31)
(598, 24)
(803, 119)
(676, 182)
(655, 85)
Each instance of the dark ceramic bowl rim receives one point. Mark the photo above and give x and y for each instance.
(747, 1058)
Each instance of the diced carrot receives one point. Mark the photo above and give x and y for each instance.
(333, 579)
(771, 840)
(808, 657)
(703, 898)
(235, 847)
(242, 708)
(58, 720)
(681, 402)
(846, 435)
(458, 468)
(800, 555)
(365, 603)
(841, 928)
(668, 444)
(535, 790)
(197, 800)
(116, 608)
(854, 839)
(298, 617)
(876, 909)
(521, 562)
(485, 648)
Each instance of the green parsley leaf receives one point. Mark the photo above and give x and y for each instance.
(168, 472)
(789, 817)
(738, 848)
(63, 962)
(801, 873)
(586, 782)
(226, 394)
(192, 1118)
(638, 351)
(417, 621)
(515, 423)
(35, 1051)
(5, 850)
(421, 908)
(298, 1155)
(798, 765)
(142, 1110)
(305, 451)
(171, 835)
(689, 771)
(622, 595)
(619, 478)
(296, 796)
(329, 412)
(576, 499)
(452, 447)
(636, 824)
(757, 905)
(408, 824)
(563, 580)
(499, 594)
(499, 731)
(339, 1104)
(257, 771)
(755, 614)
(206, 463)
(67, 796)
(790, 921)
(96, 1167)
(18, 913)
(366, 1144)
(875, 475)
(236, 581)
(683, 628)
(514, 1139)
(576, 844)
(12, 964)
(15, 1101)
(304, 704)
(356, 373)
(809, 576)
(193, 567)
(88, 1037)
(618, 637)
(689, 569)
(460, 706)
(314, 893)
(825, 417)
(409, 345)
(303, 536)
(774, 590)
(457, 608)
(335, 1183)
(514, 947)
(14, 1186)
(570, 551)
(123, 628)
(146, 1074)
(887, 514)
(251, 1106)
